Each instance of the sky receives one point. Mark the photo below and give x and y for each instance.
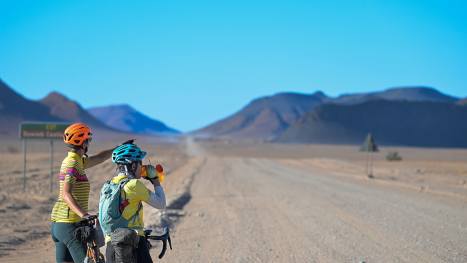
(190, 63)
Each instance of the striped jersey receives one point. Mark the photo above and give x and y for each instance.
(72, 172)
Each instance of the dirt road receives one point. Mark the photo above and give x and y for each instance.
(237, 207)
(262, 210)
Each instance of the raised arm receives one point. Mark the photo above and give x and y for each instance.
(102, 156)
(98, 158)
(157, 198)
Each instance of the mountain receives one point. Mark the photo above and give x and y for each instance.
(125, 118)
(399, 93)
(266, 117)
(55, 107)
(415, 123)
(66, 109)
(14, 109)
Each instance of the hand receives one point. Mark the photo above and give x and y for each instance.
(150, 172)
(89, 218)
(131, 141)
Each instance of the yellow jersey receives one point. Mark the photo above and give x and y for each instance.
(72, 172)
(135, 192)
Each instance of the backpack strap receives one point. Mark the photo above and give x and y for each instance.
(122, 184)
(133, 217)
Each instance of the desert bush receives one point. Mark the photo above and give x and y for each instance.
(393, 156)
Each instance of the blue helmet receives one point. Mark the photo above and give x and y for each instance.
(127, 154)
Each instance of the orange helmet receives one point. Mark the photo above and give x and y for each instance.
(76, 134)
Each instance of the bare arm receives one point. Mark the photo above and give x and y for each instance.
(98, 158)
(67, 187)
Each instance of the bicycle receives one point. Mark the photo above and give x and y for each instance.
(86, 231)
(165, 238)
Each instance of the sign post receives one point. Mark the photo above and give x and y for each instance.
(51, 165)
(370, 147)
(41, 131)
(24, 163)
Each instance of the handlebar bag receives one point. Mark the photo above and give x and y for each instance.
(124, 242)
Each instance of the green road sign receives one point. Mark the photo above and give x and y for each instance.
(49, 131)
(42, 130)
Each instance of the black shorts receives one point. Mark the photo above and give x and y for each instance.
(142, 252)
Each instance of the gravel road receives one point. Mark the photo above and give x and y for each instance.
(262, 210)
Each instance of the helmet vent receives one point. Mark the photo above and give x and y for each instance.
(127, 153)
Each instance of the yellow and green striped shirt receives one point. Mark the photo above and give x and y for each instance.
(72, 172)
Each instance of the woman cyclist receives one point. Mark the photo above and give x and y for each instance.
(72, 204)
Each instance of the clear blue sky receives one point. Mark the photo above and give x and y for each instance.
(189, 63)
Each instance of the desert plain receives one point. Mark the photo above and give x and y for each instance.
(234, 201)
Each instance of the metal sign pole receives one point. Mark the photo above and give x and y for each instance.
(24, 164)
(368, 163)
(51, 165)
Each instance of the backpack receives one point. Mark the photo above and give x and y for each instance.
(110, 216)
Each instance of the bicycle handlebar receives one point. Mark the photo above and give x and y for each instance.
(89, 221)
(164, 238)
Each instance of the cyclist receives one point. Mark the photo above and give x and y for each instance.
(128, 203)
(72, 204)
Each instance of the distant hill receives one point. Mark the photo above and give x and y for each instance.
(66, 109)
(14, 109)
(417, 116)
(399, 93)
(125, 118)
(55, 107)
(265, 117)
(268, 117)
(429, 124)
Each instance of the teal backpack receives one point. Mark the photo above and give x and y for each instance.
(110, 217)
